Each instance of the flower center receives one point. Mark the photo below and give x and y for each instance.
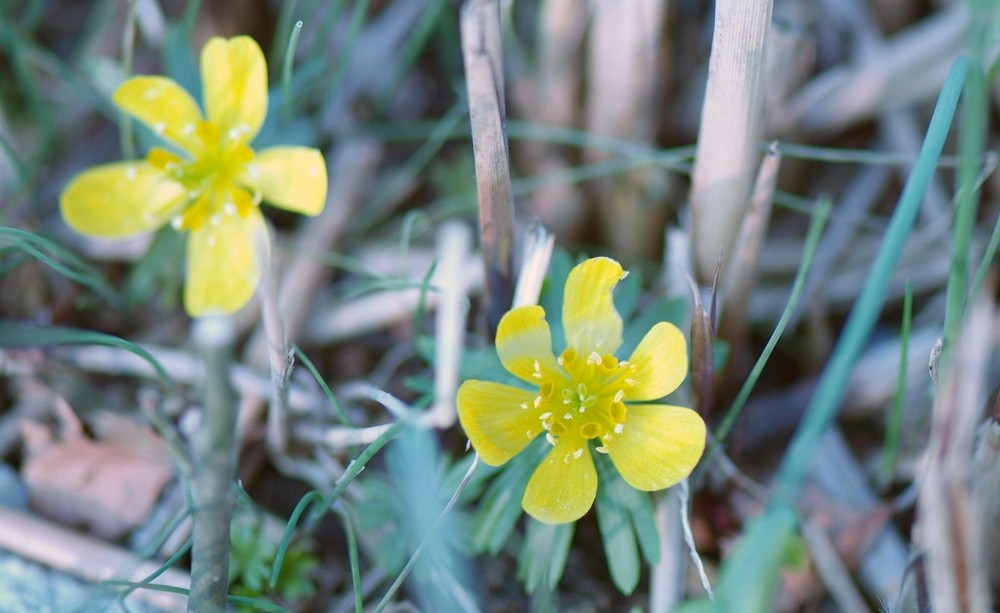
(215, 178)
(584, 402)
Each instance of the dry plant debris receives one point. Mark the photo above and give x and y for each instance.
(477, 153)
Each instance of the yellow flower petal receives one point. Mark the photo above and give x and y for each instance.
(292, 178)
(659, 446)
(564, 485)
(121, 199)
(234, 79)
(589, 316)
(223, 263)
(495, 421)
(661, 363)
(524, 341)
(164, 106)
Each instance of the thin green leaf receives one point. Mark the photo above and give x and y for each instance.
(971, 138)
(61, 260)
(896, 416)
(302, 357)
(18, 334)
(820, 216)
(614, 499)
(286, 69)
(500, 507)
(544, 553)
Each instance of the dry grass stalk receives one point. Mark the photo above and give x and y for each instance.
(624, 101)
(667, 585)
(549, 93)
(730, 129)
(454, 244)
(925, 263)
(855, 202)
(742, 274)
(538, 246)
(557, 79)
(791, 58)
(883, 557)
(908, 67)
(899, 129)
(986, 489)
(873, 380)
(949, 530)
(86, 557)
(832, 569)
(348, 319)
(352, 166)
(482, 52)
(302, 275)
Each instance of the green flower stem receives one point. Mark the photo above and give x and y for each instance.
(213, 446)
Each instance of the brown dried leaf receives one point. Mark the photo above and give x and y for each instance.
(102, 485)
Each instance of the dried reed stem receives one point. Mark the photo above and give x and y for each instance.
(483, 55)
(624, 101)
(454, 243)
(303, 274)
(730, 129)
(743, 264)
(950, 530)
(538, 246)
(86, 557)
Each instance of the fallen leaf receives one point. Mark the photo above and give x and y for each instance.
(103, 485)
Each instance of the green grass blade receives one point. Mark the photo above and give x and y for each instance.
(61, 260)
(820, 216)
(302, 357)
(971, 138)
(896, 416)
(286, 68)
(352, 555)
(19, 334)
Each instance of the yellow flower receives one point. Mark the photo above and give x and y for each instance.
(584, 395)
(214, 187)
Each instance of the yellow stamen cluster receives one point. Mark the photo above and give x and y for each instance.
(216, 177)
(585, 400)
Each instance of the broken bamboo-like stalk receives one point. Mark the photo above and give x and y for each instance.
(482, 52)
(730, 129)
(624, 101)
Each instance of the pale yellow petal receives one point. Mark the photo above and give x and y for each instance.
(164, 106)
(660, 362)
(658, 446)
(234, 80)
(224, 258)
(589, 316)
(120, 199)
(498, 419)
(524, 344)
(292, 178)
(564, 485)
